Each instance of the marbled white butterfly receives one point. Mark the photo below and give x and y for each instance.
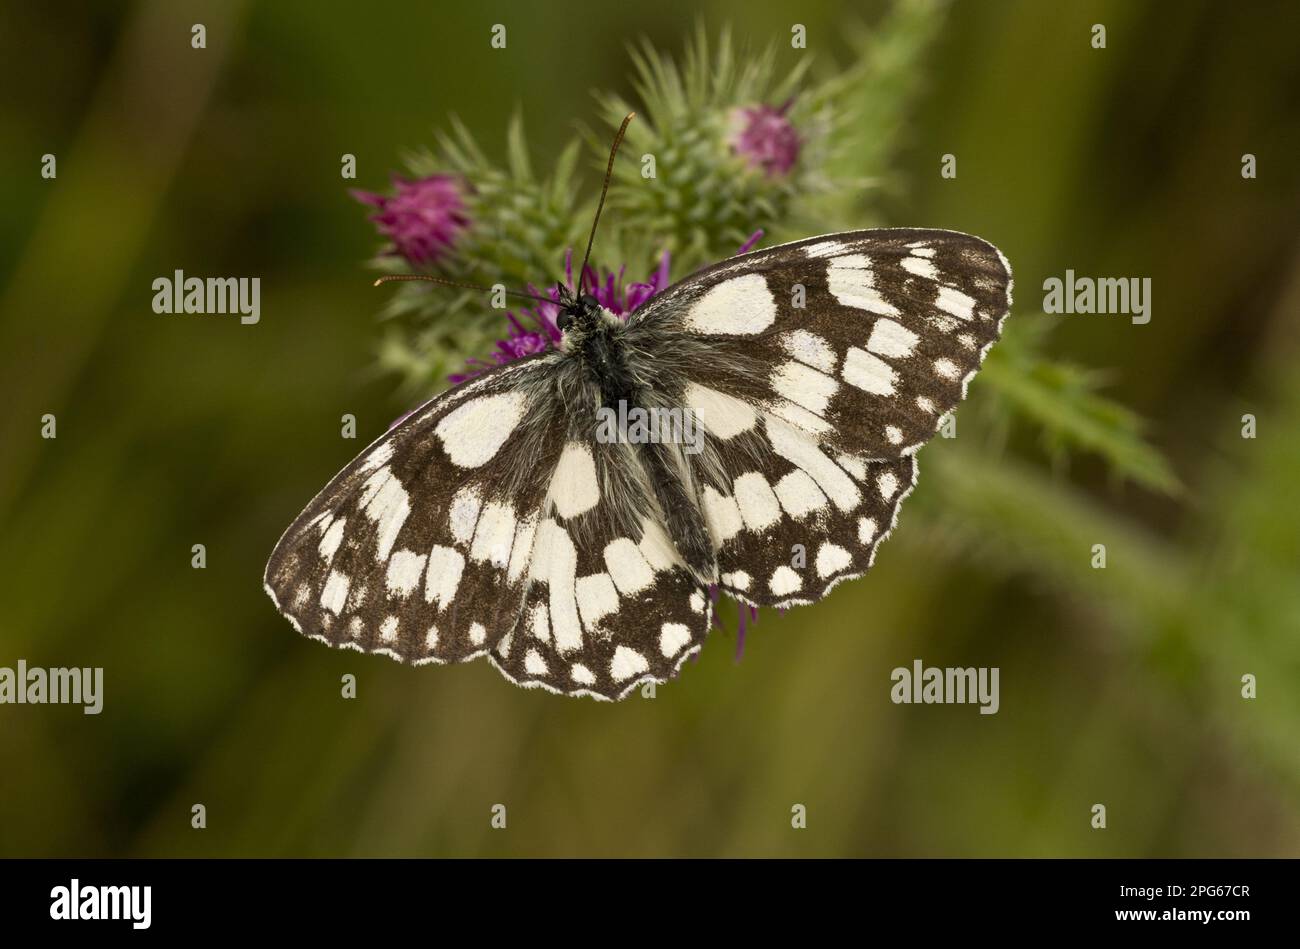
(493, 521)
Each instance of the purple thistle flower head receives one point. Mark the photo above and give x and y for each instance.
(765, 138)
(533, 329)
(423, 217)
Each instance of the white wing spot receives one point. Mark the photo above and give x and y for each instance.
(473, 432)
(573, 486)
(556, 564)
(799, 494)
(784, 580)
(723, 416)
(627, 567)
(534, 664)
(854, 466)
(658, 550)
(800, 417)
(463, 513)
(388, 629)
(377, 457)
(758, 505)
(522, 549)
(866, 530)
(697, 602)
(947, 369)
(626, 663)
(405, 569)
(335, 593)
(804, 385)
(477, 634)
(539, 622)
(431, 639)
(721, 515)
(442, 576)
(888, 485)
(739, 580)
(809, 348)
(892, 339)
(920, 266)
(825, 249)
(741, 306)
(581, 674)
(893, 434)
(386, 503)
(832, 558)
(798, 448)
(494, 535)
(672, 637)
(597, 598)
(869, 373)
(955, 302)
(329, 543)
(851, 281)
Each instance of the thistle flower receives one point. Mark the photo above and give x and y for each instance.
(765, 138)
(534, 330)
(423, 217)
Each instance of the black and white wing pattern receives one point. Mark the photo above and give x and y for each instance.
(819, 368)
(494, 521)
(419, 549)
(610, 603)
(790, 520)
(491, 521)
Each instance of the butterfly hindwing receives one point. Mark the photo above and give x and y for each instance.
(789, 520)
(610, 603)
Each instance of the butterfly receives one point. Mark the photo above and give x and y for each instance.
(493, 521)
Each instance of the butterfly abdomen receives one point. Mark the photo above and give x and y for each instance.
(603, 350)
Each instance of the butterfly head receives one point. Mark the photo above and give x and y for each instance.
(575, 310)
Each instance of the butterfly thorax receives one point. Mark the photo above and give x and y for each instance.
(594, 337)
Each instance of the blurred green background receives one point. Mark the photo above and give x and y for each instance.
(1118, 686)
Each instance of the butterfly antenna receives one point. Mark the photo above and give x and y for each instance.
(442, 281)
(609, 173)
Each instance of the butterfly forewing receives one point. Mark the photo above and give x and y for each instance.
(864, 339)
(420, 547)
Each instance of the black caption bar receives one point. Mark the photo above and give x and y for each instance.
(137, 898)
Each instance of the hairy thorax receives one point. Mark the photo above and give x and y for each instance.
(609, 370)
